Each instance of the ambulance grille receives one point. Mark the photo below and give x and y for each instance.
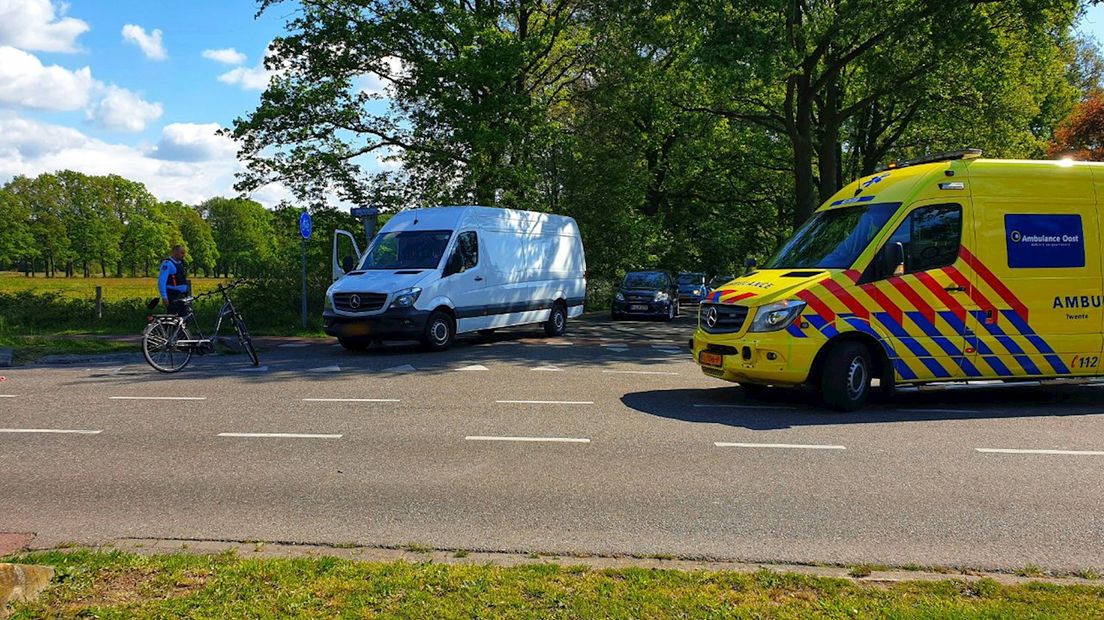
(364, 302)
(729, 318)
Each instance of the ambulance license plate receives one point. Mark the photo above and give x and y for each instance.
(708, 358)
(638, 308)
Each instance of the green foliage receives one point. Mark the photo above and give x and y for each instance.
(242, 232)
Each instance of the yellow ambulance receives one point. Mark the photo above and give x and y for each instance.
(950, 268)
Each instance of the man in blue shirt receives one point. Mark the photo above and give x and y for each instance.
(172, 282)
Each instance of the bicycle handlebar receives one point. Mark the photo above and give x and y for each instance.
(219, 289)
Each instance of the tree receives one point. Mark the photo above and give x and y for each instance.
(43, 198)
(242, 230)
(194, 234)
(472, 88)
(1081, 135)
(17, 242)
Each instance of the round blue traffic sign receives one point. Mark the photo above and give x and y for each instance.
(305, 224)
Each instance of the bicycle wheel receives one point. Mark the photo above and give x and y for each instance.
(159, 346)
(245, 340)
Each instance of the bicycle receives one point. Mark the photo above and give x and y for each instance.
(167, 342)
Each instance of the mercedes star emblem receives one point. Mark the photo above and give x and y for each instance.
(711, 316)
(354, 301)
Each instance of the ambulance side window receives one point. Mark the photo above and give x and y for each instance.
(931, 237)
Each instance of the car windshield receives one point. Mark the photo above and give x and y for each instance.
(691, 278)
(833, 239)
(719, 280)
(413, 249)
(645, 280)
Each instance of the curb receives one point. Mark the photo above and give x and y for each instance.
(416, 554)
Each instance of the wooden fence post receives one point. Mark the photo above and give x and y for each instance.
(99, 302)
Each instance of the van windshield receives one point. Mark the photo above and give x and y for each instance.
(412, 249)
(833, 239)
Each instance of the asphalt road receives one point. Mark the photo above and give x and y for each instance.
(608, 441)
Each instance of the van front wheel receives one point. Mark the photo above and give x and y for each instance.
(845, 377)
(556, 325)
(439, 331)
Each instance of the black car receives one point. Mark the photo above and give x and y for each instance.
(646, 294)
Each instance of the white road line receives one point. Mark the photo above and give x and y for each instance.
(700, 406)
(49, 430)
(403, 368)
(351, 400)
(1056, 452)
(7, 395)
(794, 446)
(638, 372)
(474, 367)
(326, 369)
(254, 369)
(545, 402)
(282, 435)
(670, 351)
(548, 369)
(157, 398)
(528, 439)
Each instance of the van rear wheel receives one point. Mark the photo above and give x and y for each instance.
(845, 377)
(556, 325)
(439, 331)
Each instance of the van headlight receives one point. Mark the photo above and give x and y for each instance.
(328, 304)
(406, 297)
(776, 316)
(661, 296)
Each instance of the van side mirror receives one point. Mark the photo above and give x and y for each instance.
(893, 259)
(348, 263)
(452, 266)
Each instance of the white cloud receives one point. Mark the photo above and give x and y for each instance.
(25, 81)
(250, 78)
(149, 43)
(34, 25)
(191, 142)
(122, 110)
(376, 84)
(31, 148)
(227, 56)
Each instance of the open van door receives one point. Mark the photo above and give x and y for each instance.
(346, 253)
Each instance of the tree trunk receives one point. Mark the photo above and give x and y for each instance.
(801, 135)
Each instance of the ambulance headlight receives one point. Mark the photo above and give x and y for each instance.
(406, 297)
(661, 296)
(776, 316)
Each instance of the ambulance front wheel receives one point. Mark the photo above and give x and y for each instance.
(845, 377)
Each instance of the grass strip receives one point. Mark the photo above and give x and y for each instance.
(29, 349)
(115, 584)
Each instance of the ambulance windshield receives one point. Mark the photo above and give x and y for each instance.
(412, 249)
(833, 239)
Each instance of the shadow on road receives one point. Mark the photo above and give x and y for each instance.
(796, 408)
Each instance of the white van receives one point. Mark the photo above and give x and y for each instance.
(430, 274)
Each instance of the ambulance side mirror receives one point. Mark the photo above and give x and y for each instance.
(892, 259)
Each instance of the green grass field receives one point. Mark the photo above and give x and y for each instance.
(114, 289)
(121, 585)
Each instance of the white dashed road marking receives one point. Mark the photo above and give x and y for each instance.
(403, 368)
(638, 372)
(528, 439)
(60, 431)
(351, 400)
(1052, 452)
(326, 369)
(792, 446)
(544, 402)
(474, 367)
(254, 369)
(157, 398)
(281, 435)
(548, 369)
(7, 395)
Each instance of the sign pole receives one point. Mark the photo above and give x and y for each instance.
(303, 245)
(305, 229)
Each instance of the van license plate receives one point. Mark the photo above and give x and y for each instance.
(708, 358)
(638, 308)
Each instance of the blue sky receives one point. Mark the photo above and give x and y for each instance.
(138, 88)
